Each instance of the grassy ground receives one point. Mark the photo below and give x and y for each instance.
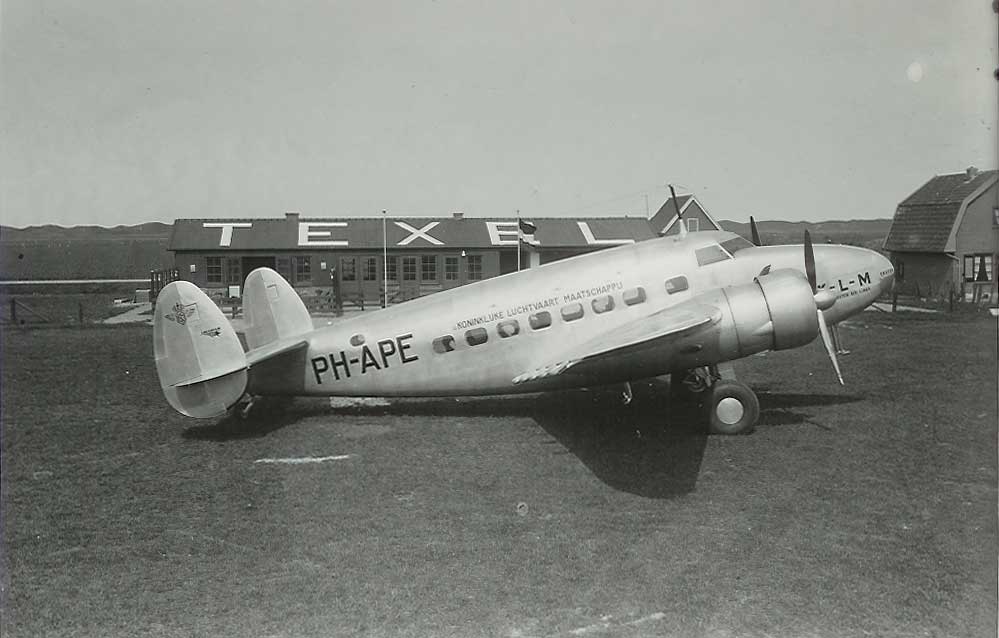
(868, 509)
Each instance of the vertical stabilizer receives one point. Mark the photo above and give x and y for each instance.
(199, 359)
(273, 309)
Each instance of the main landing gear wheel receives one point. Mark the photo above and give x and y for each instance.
(733, 408)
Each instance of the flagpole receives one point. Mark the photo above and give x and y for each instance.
(384, 262)
(520, 234)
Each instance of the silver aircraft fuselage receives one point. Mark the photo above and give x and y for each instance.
(392, 352)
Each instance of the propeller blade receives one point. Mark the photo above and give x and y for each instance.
(827, 341)
(756, 231)
(810, 262)
(679, 215)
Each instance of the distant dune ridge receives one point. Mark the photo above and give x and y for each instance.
(83, 252)
(130, 252)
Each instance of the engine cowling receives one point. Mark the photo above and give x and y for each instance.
(775, 312)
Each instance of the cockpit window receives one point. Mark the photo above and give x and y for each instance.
(710, 254)
(736, 244)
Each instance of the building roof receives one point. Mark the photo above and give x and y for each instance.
(294, 233)
(924, 221)
(666, 216)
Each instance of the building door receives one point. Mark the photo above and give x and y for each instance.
(409, 286)
(252, 263)
(508, 261)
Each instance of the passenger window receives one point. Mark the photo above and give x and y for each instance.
(676, 284)
(634, 296)
(572, 312)
(357, 340)
(540, 320)
(444, 344)
(602, 304)
(476, 336)
(508, 328)
(710, 254)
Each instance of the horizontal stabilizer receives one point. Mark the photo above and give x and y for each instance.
(271, 350)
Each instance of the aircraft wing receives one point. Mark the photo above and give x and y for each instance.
(647, 331)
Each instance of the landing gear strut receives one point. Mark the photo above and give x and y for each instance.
(731, 407)
(245, 406)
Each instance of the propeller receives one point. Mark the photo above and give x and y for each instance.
(824, 299)
(756, 232)
(679, 214)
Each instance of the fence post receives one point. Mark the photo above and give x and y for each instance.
(13, 310)
(951, 300)
(894, 300)
(80, 311)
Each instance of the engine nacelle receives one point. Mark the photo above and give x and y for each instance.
(775, 312)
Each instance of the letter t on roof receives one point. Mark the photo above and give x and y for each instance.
(226, 238)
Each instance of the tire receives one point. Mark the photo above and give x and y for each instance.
(733, 408)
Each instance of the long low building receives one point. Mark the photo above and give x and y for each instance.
(353, 258)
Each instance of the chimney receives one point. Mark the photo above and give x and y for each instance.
(458, 214)
(972, 173)
(292, 216)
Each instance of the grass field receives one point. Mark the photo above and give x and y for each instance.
(861, 510)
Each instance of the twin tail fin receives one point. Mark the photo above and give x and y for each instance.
(200, 361)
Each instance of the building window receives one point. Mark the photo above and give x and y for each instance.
(444, 344)
(508, 328)
(474, 267)
(370, 269)
(409, 268)
(392, 268)
(572, 312)
(213, 270)
(634, 296)
(676, 284)
(693, 224)
(540, 320)
(476, 336)
(450, 269)
(978, 267)
(303, 269)
(348, 269)
(428, 267)
(602, 304)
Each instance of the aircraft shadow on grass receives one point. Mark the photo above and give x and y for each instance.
(652, 448)
(268, 415)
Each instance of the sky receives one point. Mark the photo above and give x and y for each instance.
(129, 111)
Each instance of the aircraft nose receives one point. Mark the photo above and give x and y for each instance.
(886, 272)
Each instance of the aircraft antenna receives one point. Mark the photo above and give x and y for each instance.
(384, 261)
(679, 215)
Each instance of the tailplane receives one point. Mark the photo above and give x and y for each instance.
(199, 359)
(274, 311)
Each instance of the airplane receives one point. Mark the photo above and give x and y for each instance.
(681, 305)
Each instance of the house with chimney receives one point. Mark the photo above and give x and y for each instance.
(944, 237)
